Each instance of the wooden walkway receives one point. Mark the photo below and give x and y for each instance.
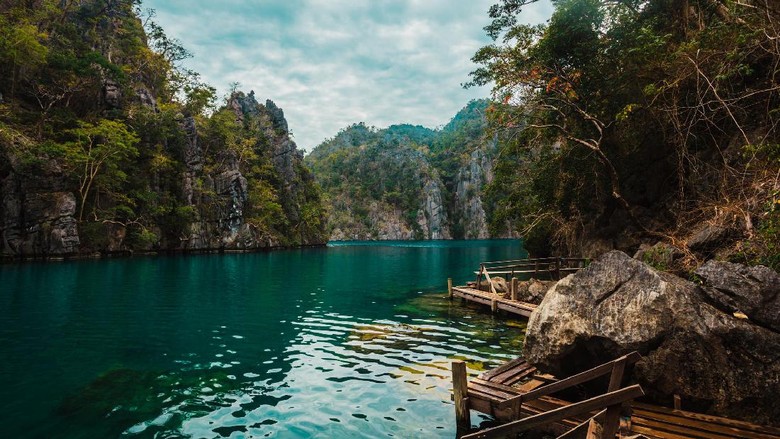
(487, 293)
(498, 392)
(495, 301)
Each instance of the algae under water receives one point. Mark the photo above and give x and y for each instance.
(352, 340)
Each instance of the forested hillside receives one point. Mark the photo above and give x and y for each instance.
(409, 182)
(634, 123)
(108, 144)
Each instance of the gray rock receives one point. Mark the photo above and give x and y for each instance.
(660, 255)
(277, 116)
(146, 98)
(37, 222)
(708, 237)
(112, 94)
(716, 362)
(434, 221)
(754, 291)
(468, 195)
(536, 290)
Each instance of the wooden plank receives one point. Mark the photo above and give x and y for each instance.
(638, 429)
(490, 280)
(472, 295)
(612, 418)
(512, 376)
(595, 430)
(667, 413)
(460, 392)
(502, 392)
(664, 427)
(531, 384)
(561, 413)
(518, 362)
(582, 428)
(525, 312)
(579, 378)
(704, 425)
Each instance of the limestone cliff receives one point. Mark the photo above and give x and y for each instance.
(409, 182)
(108, 145)
(223, 199)
(470, 182)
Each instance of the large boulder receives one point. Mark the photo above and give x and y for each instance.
(754, 291)
(716, 362)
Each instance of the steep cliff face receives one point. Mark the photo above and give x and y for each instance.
(432, 217)
(470, 182)
(37, 216)
(100, 151)
(407, 182)
(223, 199)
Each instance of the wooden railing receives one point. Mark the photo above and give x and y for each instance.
(552, 268)
(609, 403)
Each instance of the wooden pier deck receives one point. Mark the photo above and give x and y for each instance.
(516, 390)
(487, 293)
(495, 301)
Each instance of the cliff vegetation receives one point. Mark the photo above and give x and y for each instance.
(642, 126)
(409, 182)
(108, 144)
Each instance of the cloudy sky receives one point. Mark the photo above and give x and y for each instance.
(331, 63)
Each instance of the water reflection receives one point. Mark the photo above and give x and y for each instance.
(343, 341)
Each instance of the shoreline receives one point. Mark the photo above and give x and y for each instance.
(22, 259)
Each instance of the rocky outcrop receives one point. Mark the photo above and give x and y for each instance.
(471, 179)
(533, 290)
(432, 217)
(753, 291)
(38, 223)
(435, 178)
(193, 159)
(223, 198)
(37, 215)
(383, 222)
(716, 362)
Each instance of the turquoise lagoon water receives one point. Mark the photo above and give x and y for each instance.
(352, 340)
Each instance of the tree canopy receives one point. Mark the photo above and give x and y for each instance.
(637, 117)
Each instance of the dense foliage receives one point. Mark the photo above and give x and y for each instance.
(94, 102)
(367, 172)
(639, 121)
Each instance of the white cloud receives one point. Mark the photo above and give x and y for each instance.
(330, 63)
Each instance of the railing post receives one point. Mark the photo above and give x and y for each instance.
(514, 287)
(449, 287)
(460, 391)
(612, 418)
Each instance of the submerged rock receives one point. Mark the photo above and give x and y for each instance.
(716, 362)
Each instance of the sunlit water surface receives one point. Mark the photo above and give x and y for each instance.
(352, 340)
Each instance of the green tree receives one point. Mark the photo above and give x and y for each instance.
(634, 90)
(96, 155)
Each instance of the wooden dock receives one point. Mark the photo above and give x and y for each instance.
(487, 293)
(494, 300)
(517, 395)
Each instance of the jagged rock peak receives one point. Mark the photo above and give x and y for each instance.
(244, 104)
(277, 116)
